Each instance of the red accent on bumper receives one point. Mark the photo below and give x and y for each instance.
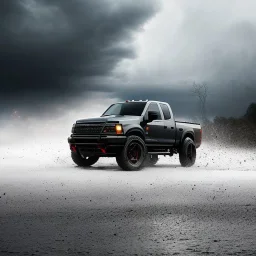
(103, 150)
(73, 148)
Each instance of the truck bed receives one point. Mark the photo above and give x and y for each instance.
(182, 127)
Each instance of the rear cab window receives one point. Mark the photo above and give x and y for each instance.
(166, 111)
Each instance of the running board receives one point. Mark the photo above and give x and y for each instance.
(160, 153)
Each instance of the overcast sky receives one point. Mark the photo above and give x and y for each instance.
(55, 54)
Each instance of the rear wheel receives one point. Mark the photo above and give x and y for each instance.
(187, 153)
(86, 161)
(133, 154)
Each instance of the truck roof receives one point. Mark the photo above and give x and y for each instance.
(145, 101)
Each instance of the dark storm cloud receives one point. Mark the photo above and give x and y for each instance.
(50, 49)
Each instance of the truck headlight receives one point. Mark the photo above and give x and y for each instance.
(109, 129)
(119, 129)
(114, 129)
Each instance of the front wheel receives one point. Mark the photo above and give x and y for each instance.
(86, 161)
(187, 153)
(133, 154)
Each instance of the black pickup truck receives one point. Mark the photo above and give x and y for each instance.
(136, 133)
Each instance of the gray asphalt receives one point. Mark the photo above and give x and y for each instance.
(140, 230)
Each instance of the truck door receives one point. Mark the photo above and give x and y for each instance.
(154, 129)
(169, 131)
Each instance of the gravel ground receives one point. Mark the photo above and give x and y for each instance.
(48, 206)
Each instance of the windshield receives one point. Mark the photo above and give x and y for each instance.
(126, 109)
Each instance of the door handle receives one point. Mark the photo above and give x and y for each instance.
(172, 127)
(165, 127)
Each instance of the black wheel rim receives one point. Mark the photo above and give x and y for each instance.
(191, 152)
(134, 153)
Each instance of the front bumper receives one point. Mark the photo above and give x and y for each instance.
(104, 145)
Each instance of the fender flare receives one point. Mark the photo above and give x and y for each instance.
(189, 134)
(136, 131)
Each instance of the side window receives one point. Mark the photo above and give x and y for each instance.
(166, 111)
(154, 107)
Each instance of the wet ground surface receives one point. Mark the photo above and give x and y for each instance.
(50, 207)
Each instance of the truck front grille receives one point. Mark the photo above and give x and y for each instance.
(88, 129)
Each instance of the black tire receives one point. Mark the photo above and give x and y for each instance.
(187, 153)
(133, 154)
(80, 161)
(151, 160)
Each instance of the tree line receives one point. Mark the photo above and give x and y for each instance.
(233, 131)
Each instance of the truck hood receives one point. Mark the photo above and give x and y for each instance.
(112, 118)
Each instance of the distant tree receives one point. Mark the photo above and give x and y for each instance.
(201, 91)
(251, 113)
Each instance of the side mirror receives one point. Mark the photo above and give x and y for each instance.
(152, 115)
